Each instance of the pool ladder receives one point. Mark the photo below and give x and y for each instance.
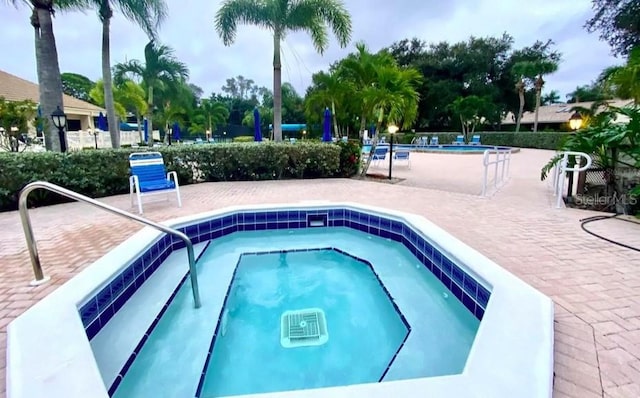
(33, 249)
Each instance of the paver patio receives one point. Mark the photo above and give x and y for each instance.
(595, 284)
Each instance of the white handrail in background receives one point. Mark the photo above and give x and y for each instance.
(561, 168)
(501, 161)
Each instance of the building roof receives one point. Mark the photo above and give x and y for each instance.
(559, 113)
(13, 88)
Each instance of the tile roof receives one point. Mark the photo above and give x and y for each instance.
(558, 113)
(13, 88)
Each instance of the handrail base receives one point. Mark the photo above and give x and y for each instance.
(38, 282)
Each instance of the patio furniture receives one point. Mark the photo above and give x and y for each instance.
(475, 140)
(379, 154)
(459, 140)
(402, 156)
(149, 177)
(434, 140)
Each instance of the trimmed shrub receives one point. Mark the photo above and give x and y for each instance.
(349, 157)
(106, 172)
(541, 140)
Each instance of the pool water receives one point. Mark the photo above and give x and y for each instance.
(364, 329)
(231, 345)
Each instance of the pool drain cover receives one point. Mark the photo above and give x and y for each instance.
(303, 328)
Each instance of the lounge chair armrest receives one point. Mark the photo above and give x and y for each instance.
(133, 180)
(172, 175)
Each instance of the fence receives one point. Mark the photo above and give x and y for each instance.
(501, 163)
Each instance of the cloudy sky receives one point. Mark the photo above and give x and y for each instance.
(189, 30)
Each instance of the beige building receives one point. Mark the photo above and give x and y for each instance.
(80, 114)
(556, 116)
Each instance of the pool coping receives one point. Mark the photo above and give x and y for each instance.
(511, 356)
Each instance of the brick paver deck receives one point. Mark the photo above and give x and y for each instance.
(595, 285)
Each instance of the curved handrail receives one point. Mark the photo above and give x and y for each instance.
(33, 249)
(562, 168)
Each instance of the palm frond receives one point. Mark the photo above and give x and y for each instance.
(249, 12)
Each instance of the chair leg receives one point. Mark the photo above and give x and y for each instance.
(178, 196)
(139, 202)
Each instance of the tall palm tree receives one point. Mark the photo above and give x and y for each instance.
(534, 71)
(161, 69)
(280, 17)
(147, 14)
(520, 86)
(47, 65)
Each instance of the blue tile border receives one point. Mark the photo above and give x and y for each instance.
(99, 309)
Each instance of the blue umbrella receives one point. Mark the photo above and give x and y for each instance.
(102, 122)
(257, 133)
(145, 128)
(176, 131)
(326, 131)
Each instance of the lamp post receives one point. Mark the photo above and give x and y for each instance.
(95, 133)
(575, 121)
(392, 130)
(60, 122)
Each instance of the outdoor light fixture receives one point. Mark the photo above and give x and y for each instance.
(60, 122)
(575, 121)
(392, 130)
(95, 135)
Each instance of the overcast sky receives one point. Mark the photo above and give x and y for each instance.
(189, 30)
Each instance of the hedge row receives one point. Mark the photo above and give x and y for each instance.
(101, 173)
(542, 140)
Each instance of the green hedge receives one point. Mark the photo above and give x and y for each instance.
(106, 172)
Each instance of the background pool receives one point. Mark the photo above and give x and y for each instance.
(438, 148)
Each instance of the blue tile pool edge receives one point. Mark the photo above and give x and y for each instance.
(98, 310)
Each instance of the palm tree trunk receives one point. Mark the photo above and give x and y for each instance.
(139, 123)
(49, 80)
(520, 110)
(112, 118)
(277, 88)
(150, 112)
(335, 119)
(539, 83)
(363, 125)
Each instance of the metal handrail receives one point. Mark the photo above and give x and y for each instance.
(33, 249)
(486, 162)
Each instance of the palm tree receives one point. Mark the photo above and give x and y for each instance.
(148, 14)
(280, 17)
(214, 113)
(533, 71)
(520, 89)
(625, 80)
(133, 99)
(47, 65)
(160, 70)
(361, 69)
(329, 89)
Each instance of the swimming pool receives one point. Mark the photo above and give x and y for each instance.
(460, 149)
(62, 347)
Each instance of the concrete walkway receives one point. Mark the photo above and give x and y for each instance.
(595, 284)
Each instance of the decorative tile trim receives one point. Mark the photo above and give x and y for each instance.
(97, 310)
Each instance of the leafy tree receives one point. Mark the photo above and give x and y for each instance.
(132, 97)
(471, 110)
(618, 22)
(327, 90)
(97, 96)
(281, 17)
(243, 88)
(213, 113)
(161, 70)
(77, 86)
(14, 122)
